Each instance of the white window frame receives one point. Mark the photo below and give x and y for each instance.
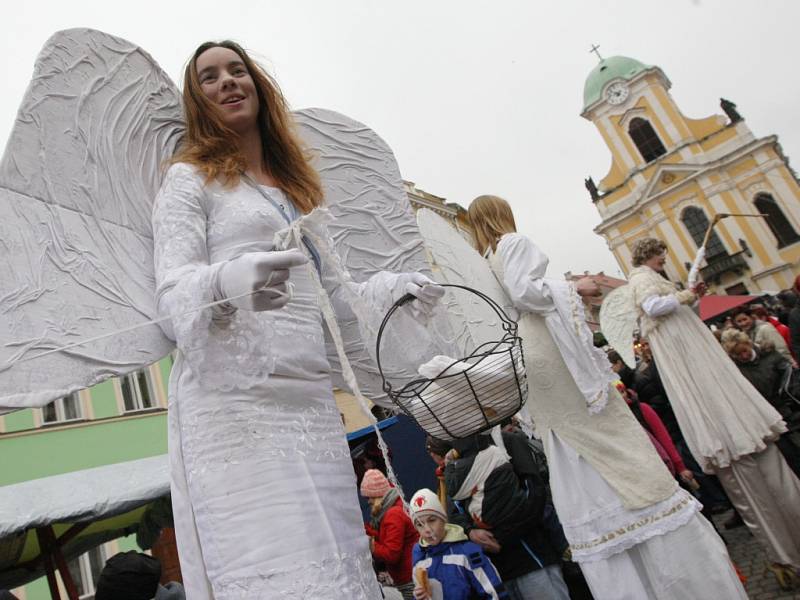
(134, 385)
(61, 411)
(87, 577)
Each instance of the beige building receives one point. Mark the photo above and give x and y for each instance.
(670, 175)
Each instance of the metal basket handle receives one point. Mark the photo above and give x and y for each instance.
(509, 325)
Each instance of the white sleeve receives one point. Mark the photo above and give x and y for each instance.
(234, 351)
(658, 306)
(524, 267)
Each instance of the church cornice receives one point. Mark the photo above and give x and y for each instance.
(638, 170)
(635, 202)
(769, 271)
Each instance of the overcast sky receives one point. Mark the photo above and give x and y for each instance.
(474, 97)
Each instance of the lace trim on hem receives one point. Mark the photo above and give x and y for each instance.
(338, 576)
(681, 507)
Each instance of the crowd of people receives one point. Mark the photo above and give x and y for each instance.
(728, 440)
(606, 481)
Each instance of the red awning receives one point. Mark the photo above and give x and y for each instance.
(711, 306)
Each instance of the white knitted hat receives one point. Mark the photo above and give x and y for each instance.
(424, 503)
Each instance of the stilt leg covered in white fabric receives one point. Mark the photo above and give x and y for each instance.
(689, 562)
(766, 493)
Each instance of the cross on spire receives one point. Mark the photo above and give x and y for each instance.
(596, 49)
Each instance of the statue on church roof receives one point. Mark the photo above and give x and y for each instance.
(592, 187)
(730, 110)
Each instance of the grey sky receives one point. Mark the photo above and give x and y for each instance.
(474, 97)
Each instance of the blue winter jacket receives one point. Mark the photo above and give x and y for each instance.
(458, 569)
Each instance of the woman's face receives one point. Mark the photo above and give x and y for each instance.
(657, 262)
(225, 80)
(743, 322)
(431, 528)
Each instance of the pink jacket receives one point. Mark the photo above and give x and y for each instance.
(661, 440)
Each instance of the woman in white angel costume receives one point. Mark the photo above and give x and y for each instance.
(635, 533)
(263, 492)
(729, 427)
(101, 242)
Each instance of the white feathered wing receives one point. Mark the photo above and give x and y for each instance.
(618, 322)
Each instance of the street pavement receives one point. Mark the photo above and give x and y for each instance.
(751, 560)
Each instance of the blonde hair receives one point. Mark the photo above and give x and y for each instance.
(491, 218)
(212, 147)
(732, 338)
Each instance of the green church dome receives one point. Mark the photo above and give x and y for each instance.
(613, 67)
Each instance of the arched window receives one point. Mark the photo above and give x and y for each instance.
(646, 139)
(696, 224)
(777, 221)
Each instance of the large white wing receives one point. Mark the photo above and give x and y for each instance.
(455, 261)
(77, 180)
(373, 227)
(81, 169)
(618, 322)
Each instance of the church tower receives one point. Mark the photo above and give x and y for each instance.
(670, 175)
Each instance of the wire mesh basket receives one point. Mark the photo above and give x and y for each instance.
(471, 394)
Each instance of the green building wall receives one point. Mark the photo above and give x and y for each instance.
(108, 437)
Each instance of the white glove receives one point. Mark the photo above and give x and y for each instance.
(264, 274)
(427, 292)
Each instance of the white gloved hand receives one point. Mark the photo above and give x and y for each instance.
(427, 292)
(264, 274)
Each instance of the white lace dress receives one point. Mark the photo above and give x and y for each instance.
(622, 512)
(263, 489)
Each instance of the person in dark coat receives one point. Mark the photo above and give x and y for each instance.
(624, 372)
(792, 306)
(504, 513)
(767, 370)
(135, 576)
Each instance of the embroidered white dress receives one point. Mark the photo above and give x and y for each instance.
(263, 489)
(623, 514)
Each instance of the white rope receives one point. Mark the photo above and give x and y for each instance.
(294, 233)
(137, 326)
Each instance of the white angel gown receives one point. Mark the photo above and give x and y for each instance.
(635, 533)
(729, 427)
(263, 489)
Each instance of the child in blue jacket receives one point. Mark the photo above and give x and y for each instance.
(447, 566)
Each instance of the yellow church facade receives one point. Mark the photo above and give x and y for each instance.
(670, 175)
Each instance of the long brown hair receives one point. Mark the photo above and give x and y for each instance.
(491, 218)
(211, 146)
